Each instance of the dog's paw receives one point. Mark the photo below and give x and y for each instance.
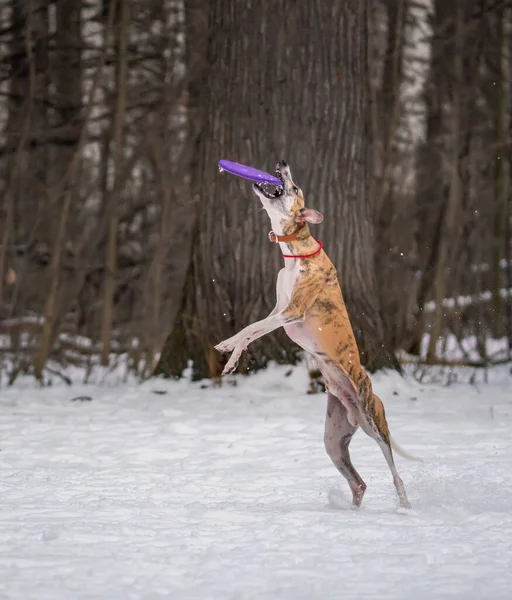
(225, 346)
(231, 344)
(232, 363)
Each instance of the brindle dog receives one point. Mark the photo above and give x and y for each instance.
(311, 309)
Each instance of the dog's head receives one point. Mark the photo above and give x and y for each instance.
(285, 203)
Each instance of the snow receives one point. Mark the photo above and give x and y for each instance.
(466, 300)
(227, 493)
(468, 349)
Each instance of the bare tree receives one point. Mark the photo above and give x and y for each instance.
(113, 196)
(501, 201)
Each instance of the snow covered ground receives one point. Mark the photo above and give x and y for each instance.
(227, 493)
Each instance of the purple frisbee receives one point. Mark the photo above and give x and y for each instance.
(248, 172)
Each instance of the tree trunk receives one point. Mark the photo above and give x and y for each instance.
(449, 222)
(500, 196)
(66, 76)
(310, 108)
(431, 191)
(31, 223)
(175, 353)
(394, 238)
(39, 163)
(508, 210)
(113, 197)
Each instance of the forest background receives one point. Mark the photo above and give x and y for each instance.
(120, 241)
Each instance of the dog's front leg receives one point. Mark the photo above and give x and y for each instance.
(281, 303)
(239, 342)
(303, 296)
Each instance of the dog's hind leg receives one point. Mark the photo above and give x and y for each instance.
(373, 422)
(338, 433)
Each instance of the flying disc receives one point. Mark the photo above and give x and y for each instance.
(248, 172)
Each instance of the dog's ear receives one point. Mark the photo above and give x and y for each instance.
(310, 216)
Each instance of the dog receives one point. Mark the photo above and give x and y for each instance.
(311, 309)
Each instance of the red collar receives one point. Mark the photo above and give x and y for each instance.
(317, 251)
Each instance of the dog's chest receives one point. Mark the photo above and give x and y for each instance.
(288, 281)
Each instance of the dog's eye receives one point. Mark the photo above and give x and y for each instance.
(295, 189)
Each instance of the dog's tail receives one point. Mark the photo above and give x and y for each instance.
(403, 453)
